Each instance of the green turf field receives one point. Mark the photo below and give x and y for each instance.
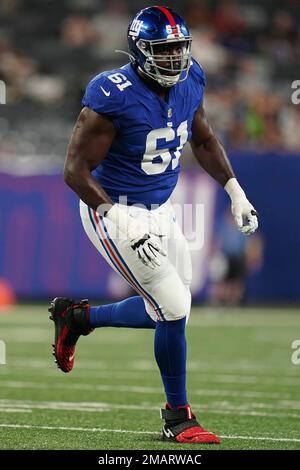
(242, 384)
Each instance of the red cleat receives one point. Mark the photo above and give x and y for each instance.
(71, 320)
(182, 427)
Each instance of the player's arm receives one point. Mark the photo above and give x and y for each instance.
(90, 141)
(211, 155)
(92, 137)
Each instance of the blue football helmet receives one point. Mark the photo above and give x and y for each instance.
(151, 34)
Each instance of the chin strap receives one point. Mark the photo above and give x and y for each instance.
(132, 59)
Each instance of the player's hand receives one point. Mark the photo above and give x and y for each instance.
(144, 239)
(148, 248)
(244, 214)
(143, 236)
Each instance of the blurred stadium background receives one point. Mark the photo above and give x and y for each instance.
(250, 51)
(251, 54)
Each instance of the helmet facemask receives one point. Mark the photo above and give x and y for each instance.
(178, 64)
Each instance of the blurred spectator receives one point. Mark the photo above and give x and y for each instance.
(78, 31)
(234, 258)
(112, 25)
(250, 53)
(206, 48)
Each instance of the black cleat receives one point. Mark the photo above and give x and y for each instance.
(181, 426)
(71, 320)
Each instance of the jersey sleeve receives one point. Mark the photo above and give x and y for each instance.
(103, 97)
(199, 79)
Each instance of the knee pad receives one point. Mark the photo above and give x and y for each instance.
(179, 307)
(175, 311)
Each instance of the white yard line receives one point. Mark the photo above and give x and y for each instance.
(15, 410)
(139, 367)
(142, 390)
(100, 407)
(245, 406)
(95, 430)
(202, 374)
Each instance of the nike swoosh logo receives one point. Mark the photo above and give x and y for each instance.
(107, 93)
(71, 357)
(168, 432)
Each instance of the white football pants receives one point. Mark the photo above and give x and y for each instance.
(166, 288)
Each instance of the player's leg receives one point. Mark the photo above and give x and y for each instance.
(73, 319)
(170, 347)
(156, 286)
(130, 312)
(170, 353)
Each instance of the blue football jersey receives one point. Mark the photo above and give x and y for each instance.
(142, 164)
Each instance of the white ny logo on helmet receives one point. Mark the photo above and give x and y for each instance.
(135, 27)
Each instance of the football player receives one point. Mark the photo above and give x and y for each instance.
(123, 163)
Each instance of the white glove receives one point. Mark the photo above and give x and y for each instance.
(245, 216)
(144, 238)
